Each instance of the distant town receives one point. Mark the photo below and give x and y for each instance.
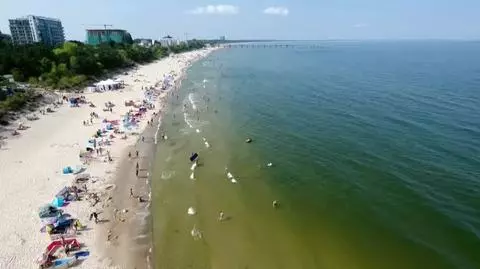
(36, 57)
(49, 31)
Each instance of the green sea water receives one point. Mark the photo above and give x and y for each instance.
(374, 149)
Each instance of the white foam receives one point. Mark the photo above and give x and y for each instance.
(229, 175)
(194, 165)
(192, 102)
(192, 176)
(233, 180)
(207, 144)
(269, 164)
(187, 121)
(167, 174)
(191, 211)
(197, 130)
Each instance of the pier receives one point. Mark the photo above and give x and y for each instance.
(270, 46)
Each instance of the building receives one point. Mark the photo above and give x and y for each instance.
(33, 29)
(144, 42)
(98, 36)
(222, 38)
(169, 41)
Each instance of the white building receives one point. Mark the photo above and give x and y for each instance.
(168, 42)
(33, 29)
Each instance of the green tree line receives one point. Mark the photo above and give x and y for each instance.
(74, 63)
(71, 65)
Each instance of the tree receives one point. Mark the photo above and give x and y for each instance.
(32, 81)
(45, 64)
(18, 75)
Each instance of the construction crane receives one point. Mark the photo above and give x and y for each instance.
(104, 25)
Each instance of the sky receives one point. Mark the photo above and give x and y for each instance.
(260, 19)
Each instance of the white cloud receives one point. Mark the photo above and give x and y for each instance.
(218, 9)
(360, 25)
(282, 11)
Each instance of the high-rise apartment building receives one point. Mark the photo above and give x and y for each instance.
(32, 29)
(99, 36)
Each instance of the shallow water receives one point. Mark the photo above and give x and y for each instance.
(375, 151)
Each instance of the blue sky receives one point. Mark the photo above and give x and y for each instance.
(276, 19)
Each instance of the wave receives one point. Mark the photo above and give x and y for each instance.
(187, 120)
(167, 175)
(192, 102)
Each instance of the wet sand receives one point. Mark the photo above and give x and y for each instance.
(128, 234)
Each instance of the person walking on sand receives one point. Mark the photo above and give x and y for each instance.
(143, 139)
(129, 154)
(131, 192)
(136, 172)
(137, 153)
(94, 215)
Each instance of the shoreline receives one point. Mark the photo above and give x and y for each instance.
(31, 166)
(130, 242)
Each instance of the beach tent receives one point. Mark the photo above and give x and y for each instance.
(73, 101)
(119, 81)
(64, 193)
(67, 170)
(107, 85)
(58, 201)
(48, 211)
(78, 169)
(82, 177)
(107, 126)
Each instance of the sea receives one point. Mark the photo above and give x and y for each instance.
(371, 150)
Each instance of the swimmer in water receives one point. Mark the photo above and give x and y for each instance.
(221, 216)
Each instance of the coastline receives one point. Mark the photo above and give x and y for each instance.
(31, 166)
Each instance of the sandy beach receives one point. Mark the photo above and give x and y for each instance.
(31, 171)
